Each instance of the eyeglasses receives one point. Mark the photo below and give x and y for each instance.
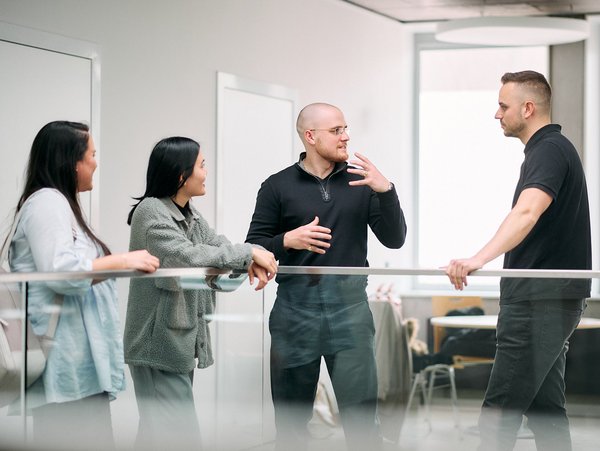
(337, 131)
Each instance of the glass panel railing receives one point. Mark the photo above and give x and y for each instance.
(13, 429)
(350, 357)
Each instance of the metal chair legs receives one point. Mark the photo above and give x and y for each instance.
(427, 385)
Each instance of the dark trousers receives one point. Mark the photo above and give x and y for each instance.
(528, 375)
(354, 378)
(74, 425)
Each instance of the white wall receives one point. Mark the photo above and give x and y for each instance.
(159, 64)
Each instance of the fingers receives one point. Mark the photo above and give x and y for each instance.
(262, 280)
(259, 273)
(369, 173)
(272, 268)
(374, 180)
(313, 230)
(316, 242)
(311, 237)
(141, 260)
(270, 264)
(457, 271)
(261, 284)
(320, 236)
(365, 177)
(318, 247)
(317, 237)
(362, 171)
(152, 263)
(458, 283)
(264, 259)
(251, 274)
(362, 158)
(149, 267)
(363, 162)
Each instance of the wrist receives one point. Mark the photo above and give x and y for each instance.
(387, 189)
(285, 241)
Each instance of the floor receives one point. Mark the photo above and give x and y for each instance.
(415, 435)
(444, 436)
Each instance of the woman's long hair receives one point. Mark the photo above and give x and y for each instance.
(55, 151)
(171, 163)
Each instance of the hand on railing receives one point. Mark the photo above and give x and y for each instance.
(263, 267)
(141, 260)
(258, 272)
(458, 270)
(265, 259)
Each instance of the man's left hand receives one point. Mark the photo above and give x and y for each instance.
(371, 175)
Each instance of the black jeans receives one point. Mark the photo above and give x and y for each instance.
(354, 379)
(528, 375)
(323, 316)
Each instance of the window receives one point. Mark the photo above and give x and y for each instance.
(467, 168)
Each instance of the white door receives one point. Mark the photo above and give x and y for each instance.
(39, 83)
(256, 137)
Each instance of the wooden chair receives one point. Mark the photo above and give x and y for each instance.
(440, 306)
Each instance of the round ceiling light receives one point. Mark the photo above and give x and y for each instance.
(513, 31)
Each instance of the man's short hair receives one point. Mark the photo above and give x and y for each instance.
(534, 82)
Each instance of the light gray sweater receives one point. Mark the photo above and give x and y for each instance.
(165, 327)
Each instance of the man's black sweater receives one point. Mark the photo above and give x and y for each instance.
(293, 197)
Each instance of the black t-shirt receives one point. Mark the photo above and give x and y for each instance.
(185, 210)
(561, 237)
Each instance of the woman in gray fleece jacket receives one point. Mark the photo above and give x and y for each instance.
(166, 330)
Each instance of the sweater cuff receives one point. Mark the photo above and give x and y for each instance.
(388, 197)
(278, 248)
(247, 261)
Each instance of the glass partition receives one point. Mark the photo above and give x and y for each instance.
(402, 371)
(469, 88)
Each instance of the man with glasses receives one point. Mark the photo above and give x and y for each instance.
(547, 228)
(317, 213)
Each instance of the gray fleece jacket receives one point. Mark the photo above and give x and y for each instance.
(165, 327)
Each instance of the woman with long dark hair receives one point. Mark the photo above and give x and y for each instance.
(84, 367)
(166, 329)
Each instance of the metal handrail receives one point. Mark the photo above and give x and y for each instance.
(321, 270)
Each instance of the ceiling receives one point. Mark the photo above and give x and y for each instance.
(436, 10)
